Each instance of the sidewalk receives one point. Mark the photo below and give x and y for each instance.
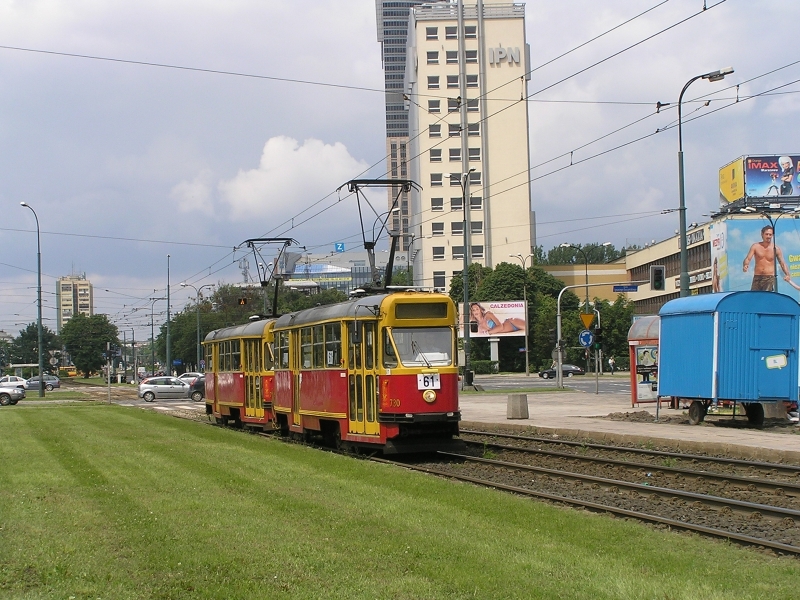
(580, 414)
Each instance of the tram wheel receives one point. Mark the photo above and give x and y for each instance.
(696, 412)
(755, 413)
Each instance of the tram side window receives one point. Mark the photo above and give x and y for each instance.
(269, 358)
(333, 344)
(369, 345)
(389, 355)
(236, 355)
(319, 347)
(283, 350)
(306, 348)
(225, 357)
(252, 355)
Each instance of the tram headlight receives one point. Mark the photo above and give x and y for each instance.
(429, 396)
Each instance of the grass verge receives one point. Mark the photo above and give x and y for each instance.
(105, 501)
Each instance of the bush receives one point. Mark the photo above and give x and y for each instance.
(485, 367)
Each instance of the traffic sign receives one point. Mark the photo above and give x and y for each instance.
(617, 289)
(338, 247)
(587, 319)
(586, 338)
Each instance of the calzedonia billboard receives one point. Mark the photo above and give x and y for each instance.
(760, 177)
(494, 319)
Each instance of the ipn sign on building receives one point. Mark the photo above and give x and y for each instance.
(500, 55)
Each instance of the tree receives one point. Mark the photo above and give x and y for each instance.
(25, 347)
(85, 338)
(597, 254)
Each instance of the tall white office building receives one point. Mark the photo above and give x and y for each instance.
(466, 78)
(74, 294)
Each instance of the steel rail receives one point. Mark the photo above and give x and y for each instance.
(710, 531)
(774, 511)
(763, 483)
(661, 453)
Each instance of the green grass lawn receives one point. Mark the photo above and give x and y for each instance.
(109, 502)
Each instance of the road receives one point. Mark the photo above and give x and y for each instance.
(608, 384)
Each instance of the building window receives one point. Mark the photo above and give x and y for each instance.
(437, 204)
(436, 154)
(457, 228)
(452, 105)
(434, 106)
(454, 129)
(455, 178)
(474, 129)
(436, 180)
(451, 33)
(452, 81)
(435, 130)
(472, 81)
(475, 203)
(476, 227)
(458, 252)
(475, 178)
(477, 251)
(471, 32)
(433, 57)
(456, 204)
(472, 105)
(439, 279)
(437, 228)
(474, 154)
(451, 57)
(471, 56)
(433, 82)
(431, 33)
(438, 252)
(455, 154)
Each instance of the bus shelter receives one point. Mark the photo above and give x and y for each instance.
(643, 354)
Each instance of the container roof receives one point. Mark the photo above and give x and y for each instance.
(745, 302)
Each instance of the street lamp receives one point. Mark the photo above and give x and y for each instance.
(197, 303)
(522, 259)
(39, 298)
(152, 337)
(169, 349)
(463, 180)
(684, 279)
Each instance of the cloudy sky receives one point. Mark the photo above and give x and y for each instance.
(128, 163)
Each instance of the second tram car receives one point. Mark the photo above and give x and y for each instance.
(377, 372)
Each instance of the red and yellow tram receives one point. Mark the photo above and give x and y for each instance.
(376, 371)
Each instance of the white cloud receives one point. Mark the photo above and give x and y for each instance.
(289, 177)
(194, 195)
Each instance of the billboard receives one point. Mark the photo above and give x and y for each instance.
(495, 319)
(771, 176)
(742, 255)
(731, 181)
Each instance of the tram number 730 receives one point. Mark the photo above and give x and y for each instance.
(428, 381)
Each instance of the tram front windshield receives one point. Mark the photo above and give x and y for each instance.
(424, 346)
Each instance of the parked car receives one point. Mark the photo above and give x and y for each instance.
(190, 377)
(197, 391)
(50, 382)
(163, 387)
(11, 395)
(566, 371)
(13, 381)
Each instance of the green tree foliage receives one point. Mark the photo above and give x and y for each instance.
(25, 347)
(597, 254)
(85, 339)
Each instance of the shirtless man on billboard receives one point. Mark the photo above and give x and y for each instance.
(764, 253)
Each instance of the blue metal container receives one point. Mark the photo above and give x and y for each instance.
(740, 346)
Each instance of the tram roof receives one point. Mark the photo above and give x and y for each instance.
(254, 329)
(356, 307)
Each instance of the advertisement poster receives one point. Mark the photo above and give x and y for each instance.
(750, 259)
(718, 232)
(731, 181)
(772, 176)
(495, 319)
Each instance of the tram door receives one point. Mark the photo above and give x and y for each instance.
(363, 393)
(254, 405)
(297, 376)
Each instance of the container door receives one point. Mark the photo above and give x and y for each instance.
(774, 353)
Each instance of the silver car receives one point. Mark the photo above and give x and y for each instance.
(13, 381)
(11, 395)
(163, 387)
(50, 382)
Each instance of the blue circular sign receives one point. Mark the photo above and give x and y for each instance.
(586, 338)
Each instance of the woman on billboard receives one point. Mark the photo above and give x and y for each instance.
(487, 321)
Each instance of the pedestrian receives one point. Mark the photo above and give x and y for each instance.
(611, 364)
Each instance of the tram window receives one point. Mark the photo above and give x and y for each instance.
(370, 394)
(319, 347)
(389, 355)
(283, 349)
(305, 347)
(226, 356)
(369, 345)
(333, 344)
(236, 355)
(269, 359)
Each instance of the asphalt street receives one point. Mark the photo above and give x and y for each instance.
(619, 383)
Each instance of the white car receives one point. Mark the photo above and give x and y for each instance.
(13, 381)
(190, 378)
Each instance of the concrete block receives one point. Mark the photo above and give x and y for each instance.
(517, 407)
